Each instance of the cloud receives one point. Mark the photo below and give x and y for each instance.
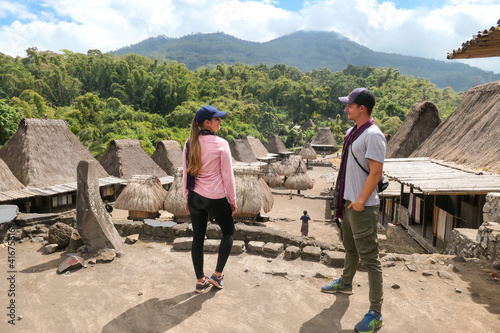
(110, 24)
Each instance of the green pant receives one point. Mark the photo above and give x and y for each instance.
(359, 237)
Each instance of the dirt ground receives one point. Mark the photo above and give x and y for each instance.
(150, 288)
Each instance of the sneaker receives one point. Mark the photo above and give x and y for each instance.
(201, 287)
(216, 281)
(337, 287)
(370, 322)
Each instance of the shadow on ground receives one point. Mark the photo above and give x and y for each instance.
(329, 319)
(158, 316)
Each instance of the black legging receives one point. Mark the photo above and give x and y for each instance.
(199, 208)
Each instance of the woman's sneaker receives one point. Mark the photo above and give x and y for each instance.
(217, 281)
(337, 287)
(370, 322)
(201, 287)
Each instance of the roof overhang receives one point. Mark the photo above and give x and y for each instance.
(483, 45)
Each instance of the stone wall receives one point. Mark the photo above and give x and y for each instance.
(483, 243)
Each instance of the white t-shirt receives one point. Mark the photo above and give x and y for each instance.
(371, 144)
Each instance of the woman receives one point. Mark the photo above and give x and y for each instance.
(208, 178)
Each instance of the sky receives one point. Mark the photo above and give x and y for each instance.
(423, 28)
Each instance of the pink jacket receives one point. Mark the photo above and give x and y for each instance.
(216, 178)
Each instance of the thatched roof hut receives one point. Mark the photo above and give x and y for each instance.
(271, 177)
(471, 134)
(308, 124)
(174, 202)
(420, 122)
(252, 193)
(44, 152)
(324, 141)
(296, 161)
(125, 158)
(275, 145)
(8, 182)
(286, 167)
(143, 196)
(308, 152)
(299, 180)
(168, 155)
(257, 147)
(242, 151)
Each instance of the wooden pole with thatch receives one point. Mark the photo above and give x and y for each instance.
(308, 153)
(143, 197)
(299, 180)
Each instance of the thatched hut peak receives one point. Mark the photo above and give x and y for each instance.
(271, 177)
(323, 141)
(421, 121)
(275, 145)
(8, 182)
(242, 151)
(308, 152)
(168, 155)
(308, 124)
(126, 157)
(471, 134)
(44, 152)
(257, 147)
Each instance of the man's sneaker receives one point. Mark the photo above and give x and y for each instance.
(201, 287)
(370, 322)
(337, 287)
(217, 281)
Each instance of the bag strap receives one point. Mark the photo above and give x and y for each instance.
(358, 162)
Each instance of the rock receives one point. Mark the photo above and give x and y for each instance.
(132, 239)
(427, 273)
(182, 243)
(292, 252)
(389, 264)
(445, 275)
(211, 245)
(37, 239)
(255, 247)
(273, 249)
(75, 242)
(70, 261)
(238, 247)
(276, 273)
(496, 264)
(128, 227)
(395, 286)
(411, 268)
(213, 231)
(311, 253)
(50, 248)
(105, 255)
(161, 229)
(320, 275)
(334, 258)
(92, 220)
(458, 291)
(60, 234)
(182, 230)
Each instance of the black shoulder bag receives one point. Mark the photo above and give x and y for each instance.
(382, 183)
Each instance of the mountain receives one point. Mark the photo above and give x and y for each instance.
(306, 50)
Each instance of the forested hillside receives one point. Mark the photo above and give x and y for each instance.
(105, 97)
(306, 50)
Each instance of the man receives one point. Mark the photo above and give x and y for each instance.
(358, 203)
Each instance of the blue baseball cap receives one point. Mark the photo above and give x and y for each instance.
(360, 96)
(207, 112)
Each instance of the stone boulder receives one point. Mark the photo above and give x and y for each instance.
(60, 234)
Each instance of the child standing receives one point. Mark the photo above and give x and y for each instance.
(305, 223)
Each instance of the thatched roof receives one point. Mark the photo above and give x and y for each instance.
(483, 45)
(471, 134)
(275, 145)
(420, 122)
(271, 177)
(299, 180)
(174, 202)
(125, 158)
(143, 193)
(44, 152)
(242, 151)
(252, 192)
(8, 182)
(308, 124)
(286, 167)
(324, 137)
(308, 152)
(168, 155)
(257, 147)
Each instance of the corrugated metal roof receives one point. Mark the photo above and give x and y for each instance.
(485, 44)
(435, 178)
(16, 194)
(72, 187)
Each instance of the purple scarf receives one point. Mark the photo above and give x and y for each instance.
(190, 178)
(348, 140)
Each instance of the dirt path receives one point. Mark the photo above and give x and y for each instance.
(150, 289)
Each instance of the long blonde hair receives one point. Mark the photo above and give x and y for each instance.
(194, 157)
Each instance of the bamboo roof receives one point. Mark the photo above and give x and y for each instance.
(483, 45)
(168, 155)
(125, 158)
(433, 177)
(44, 152)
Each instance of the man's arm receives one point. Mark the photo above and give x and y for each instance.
(370, 184)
